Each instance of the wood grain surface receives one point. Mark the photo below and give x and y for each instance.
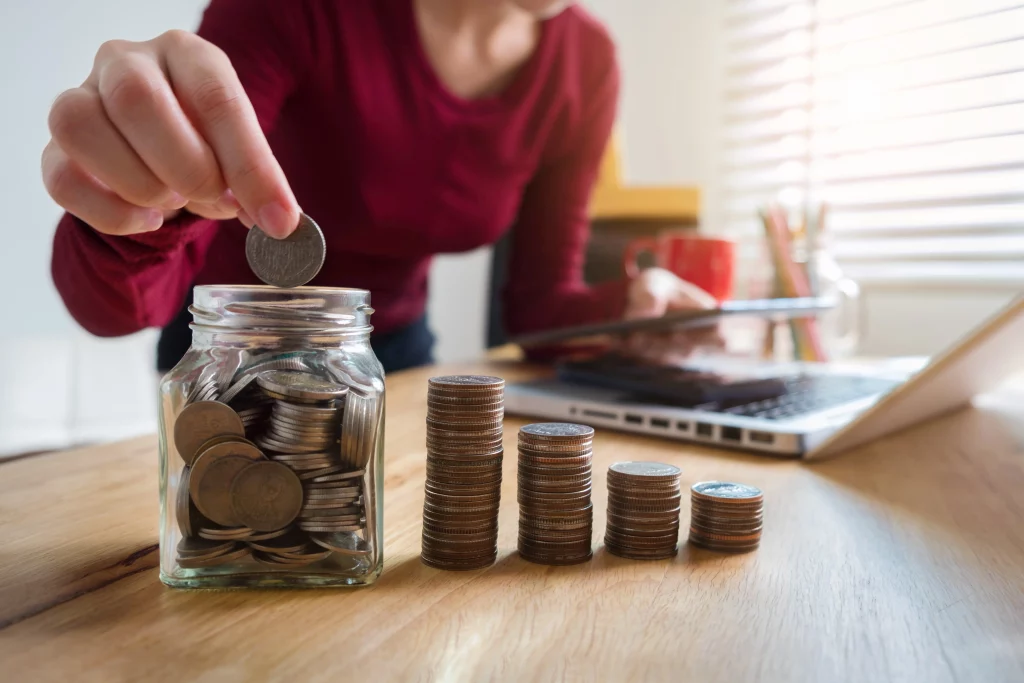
(902, 561)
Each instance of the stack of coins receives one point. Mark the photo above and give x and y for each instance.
(726, 517)
(194, 553)
(643, 510)
(303, 432)
(305, 417)
(254, 410)
(556, 517)
(463, 487)
(333, 502)
(244, 394)
(292, 549)
(359, 429)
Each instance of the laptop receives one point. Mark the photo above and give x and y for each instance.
(817, 410)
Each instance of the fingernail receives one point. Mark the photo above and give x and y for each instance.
(175, 201)
(274, 220)
(227, 201)
(152, 219)
(245, 218)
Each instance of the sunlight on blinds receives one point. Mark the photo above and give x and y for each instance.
(906, 116)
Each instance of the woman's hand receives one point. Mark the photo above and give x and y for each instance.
(654, 293)
(159, 126)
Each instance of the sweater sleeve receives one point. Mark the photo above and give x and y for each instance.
(545, 287)
(116, 285)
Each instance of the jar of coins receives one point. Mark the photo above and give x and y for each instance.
(271, 442)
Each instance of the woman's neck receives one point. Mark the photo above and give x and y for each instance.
(476, 46)
(479, 16)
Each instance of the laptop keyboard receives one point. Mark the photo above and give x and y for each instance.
(806, 394)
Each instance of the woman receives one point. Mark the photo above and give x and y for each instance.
(406, 128)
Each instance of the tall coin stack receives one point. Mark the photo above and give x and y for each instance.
(726, 517)
(556, 517)
(463, 488)
(643, 510)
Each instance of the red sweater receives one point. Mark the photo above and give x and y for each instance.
(394, 168)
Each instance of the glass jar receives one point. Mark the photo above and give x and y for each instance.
(271, 442)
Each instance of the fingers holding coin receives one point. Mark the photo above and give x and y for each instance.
(129, 150)
(82, 195)
(213, 97)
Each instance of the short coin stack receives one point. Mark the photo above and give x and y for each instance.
(643, 510)
(556, 517)
(726, 517)
(463, 487)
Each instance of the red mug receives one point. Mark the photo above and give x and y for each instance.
(707, 262)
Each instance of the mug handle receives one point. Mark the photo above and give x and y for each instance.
(850, 320)
(633, 250)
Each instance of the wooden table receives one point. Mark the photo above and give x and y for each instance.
(903, 561)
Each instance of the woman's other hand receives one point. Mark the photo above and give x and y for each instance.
(653, 294)
(159, 126)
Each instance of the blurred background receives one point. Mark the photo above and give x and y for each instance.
(905, 116)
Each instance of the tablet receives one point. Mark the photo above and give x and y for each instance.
(774, 309)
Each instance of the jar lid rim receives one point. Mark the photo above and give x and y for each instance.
(304, 289)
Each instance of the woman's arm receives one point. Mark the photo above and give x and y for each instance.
(545, 287)
(161, 125)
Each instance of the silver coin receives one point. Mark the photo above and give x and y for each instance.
(645, 469)
(466, 381)
(290, 262)
(344, 543)
(304, 411)
(301, 385)
(248, 376)
(557, 429)
(276, 446)
(725, 489)
(358, 429)
(323, 427)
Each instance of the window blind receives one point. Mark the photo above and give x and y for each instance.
(905, 116)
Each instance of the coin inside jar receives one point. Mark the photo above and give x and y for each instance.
(211, 476)
(182, 503)
(266, 496)
(201, 548)
(200, 422)
(342, 542)
(300, 385)
(289, 262)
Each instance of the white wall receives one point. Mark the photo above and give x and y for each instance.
(671, 57)
(58, 385)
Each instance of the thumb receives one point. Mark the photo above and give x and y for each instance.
(688, 295)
